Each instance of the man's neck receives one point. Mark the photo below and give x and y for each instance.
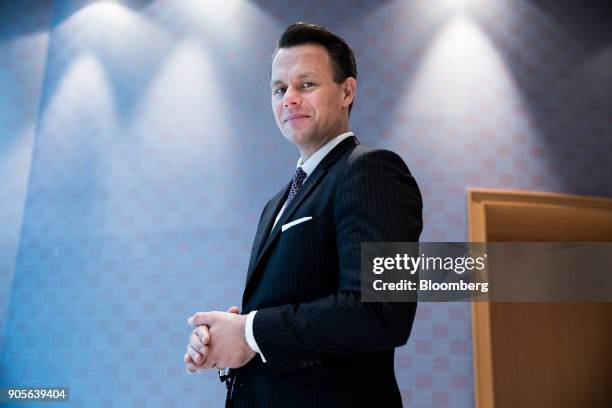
(310, 150)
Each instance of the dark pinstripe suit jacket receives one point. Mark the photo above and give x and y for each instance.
(324, 348)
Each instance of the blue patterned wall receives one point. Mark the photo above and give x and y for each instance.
(24, 33)
(138, 147)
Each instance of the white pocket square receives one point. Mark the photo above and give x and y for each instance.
(295, 222)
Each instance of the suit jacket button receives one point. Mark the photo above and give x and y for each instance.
(302, 363)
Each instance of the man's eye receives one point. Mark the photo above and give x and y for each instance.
(308, 84)
(279, 91)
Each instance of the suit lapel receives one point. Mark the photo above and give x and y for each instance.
(310, 183)
(266, 225)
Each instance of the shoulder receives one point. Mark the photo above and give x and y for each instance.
(365, 157)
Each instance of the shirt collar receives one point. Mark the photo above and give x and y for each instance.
(313, 161)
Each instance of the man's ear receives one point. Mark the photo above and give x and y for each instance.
(349, 86)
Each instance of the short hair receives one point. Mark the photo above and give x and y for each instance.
(342, 58)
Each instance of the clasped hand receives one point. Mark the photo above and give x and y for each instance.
(217, 341)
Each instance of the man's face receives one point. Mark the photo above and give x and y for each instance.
(309, 107)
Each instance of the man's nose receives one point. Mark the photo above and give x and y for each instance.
(292, 97)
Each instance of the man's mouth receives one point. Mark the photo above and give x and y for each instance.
(295, 116)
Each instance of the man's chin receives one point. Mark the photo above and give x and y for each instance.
(297, 138)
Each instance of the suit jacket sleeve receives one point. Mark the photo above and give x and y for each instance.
(377, 200)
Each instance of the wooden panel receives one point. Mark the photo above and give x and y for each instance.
(546, 223)
(551, 355)
(481, 333)
(540, 355)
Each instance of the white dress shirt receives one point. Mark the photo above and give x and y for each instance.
(308, 166)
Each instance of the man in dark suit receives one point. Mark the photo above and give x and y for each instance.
(304, 337)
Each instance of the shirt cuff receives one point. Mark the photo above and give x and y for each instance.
(250, 338)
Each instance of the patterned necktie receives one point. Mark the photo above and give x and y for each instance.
(296, 184)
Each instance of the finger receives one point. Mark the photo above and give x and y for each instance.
(197, 350)
(208, 360)
(189, 363)
(190, 369)
(197, 357)
(233, 309)
(202, 333)
(191, 354)
(196, 343)
(207, 364)
(201, 318)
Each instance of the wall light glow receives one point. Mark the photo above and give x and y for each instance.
(183, 129)
(83, 100)
(454, 5)
(462, 74)
(116, 34)
(185, 91)
(231, 23)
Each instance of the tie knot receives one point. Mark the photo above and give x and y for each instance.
(299, 176)
(296, 184)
